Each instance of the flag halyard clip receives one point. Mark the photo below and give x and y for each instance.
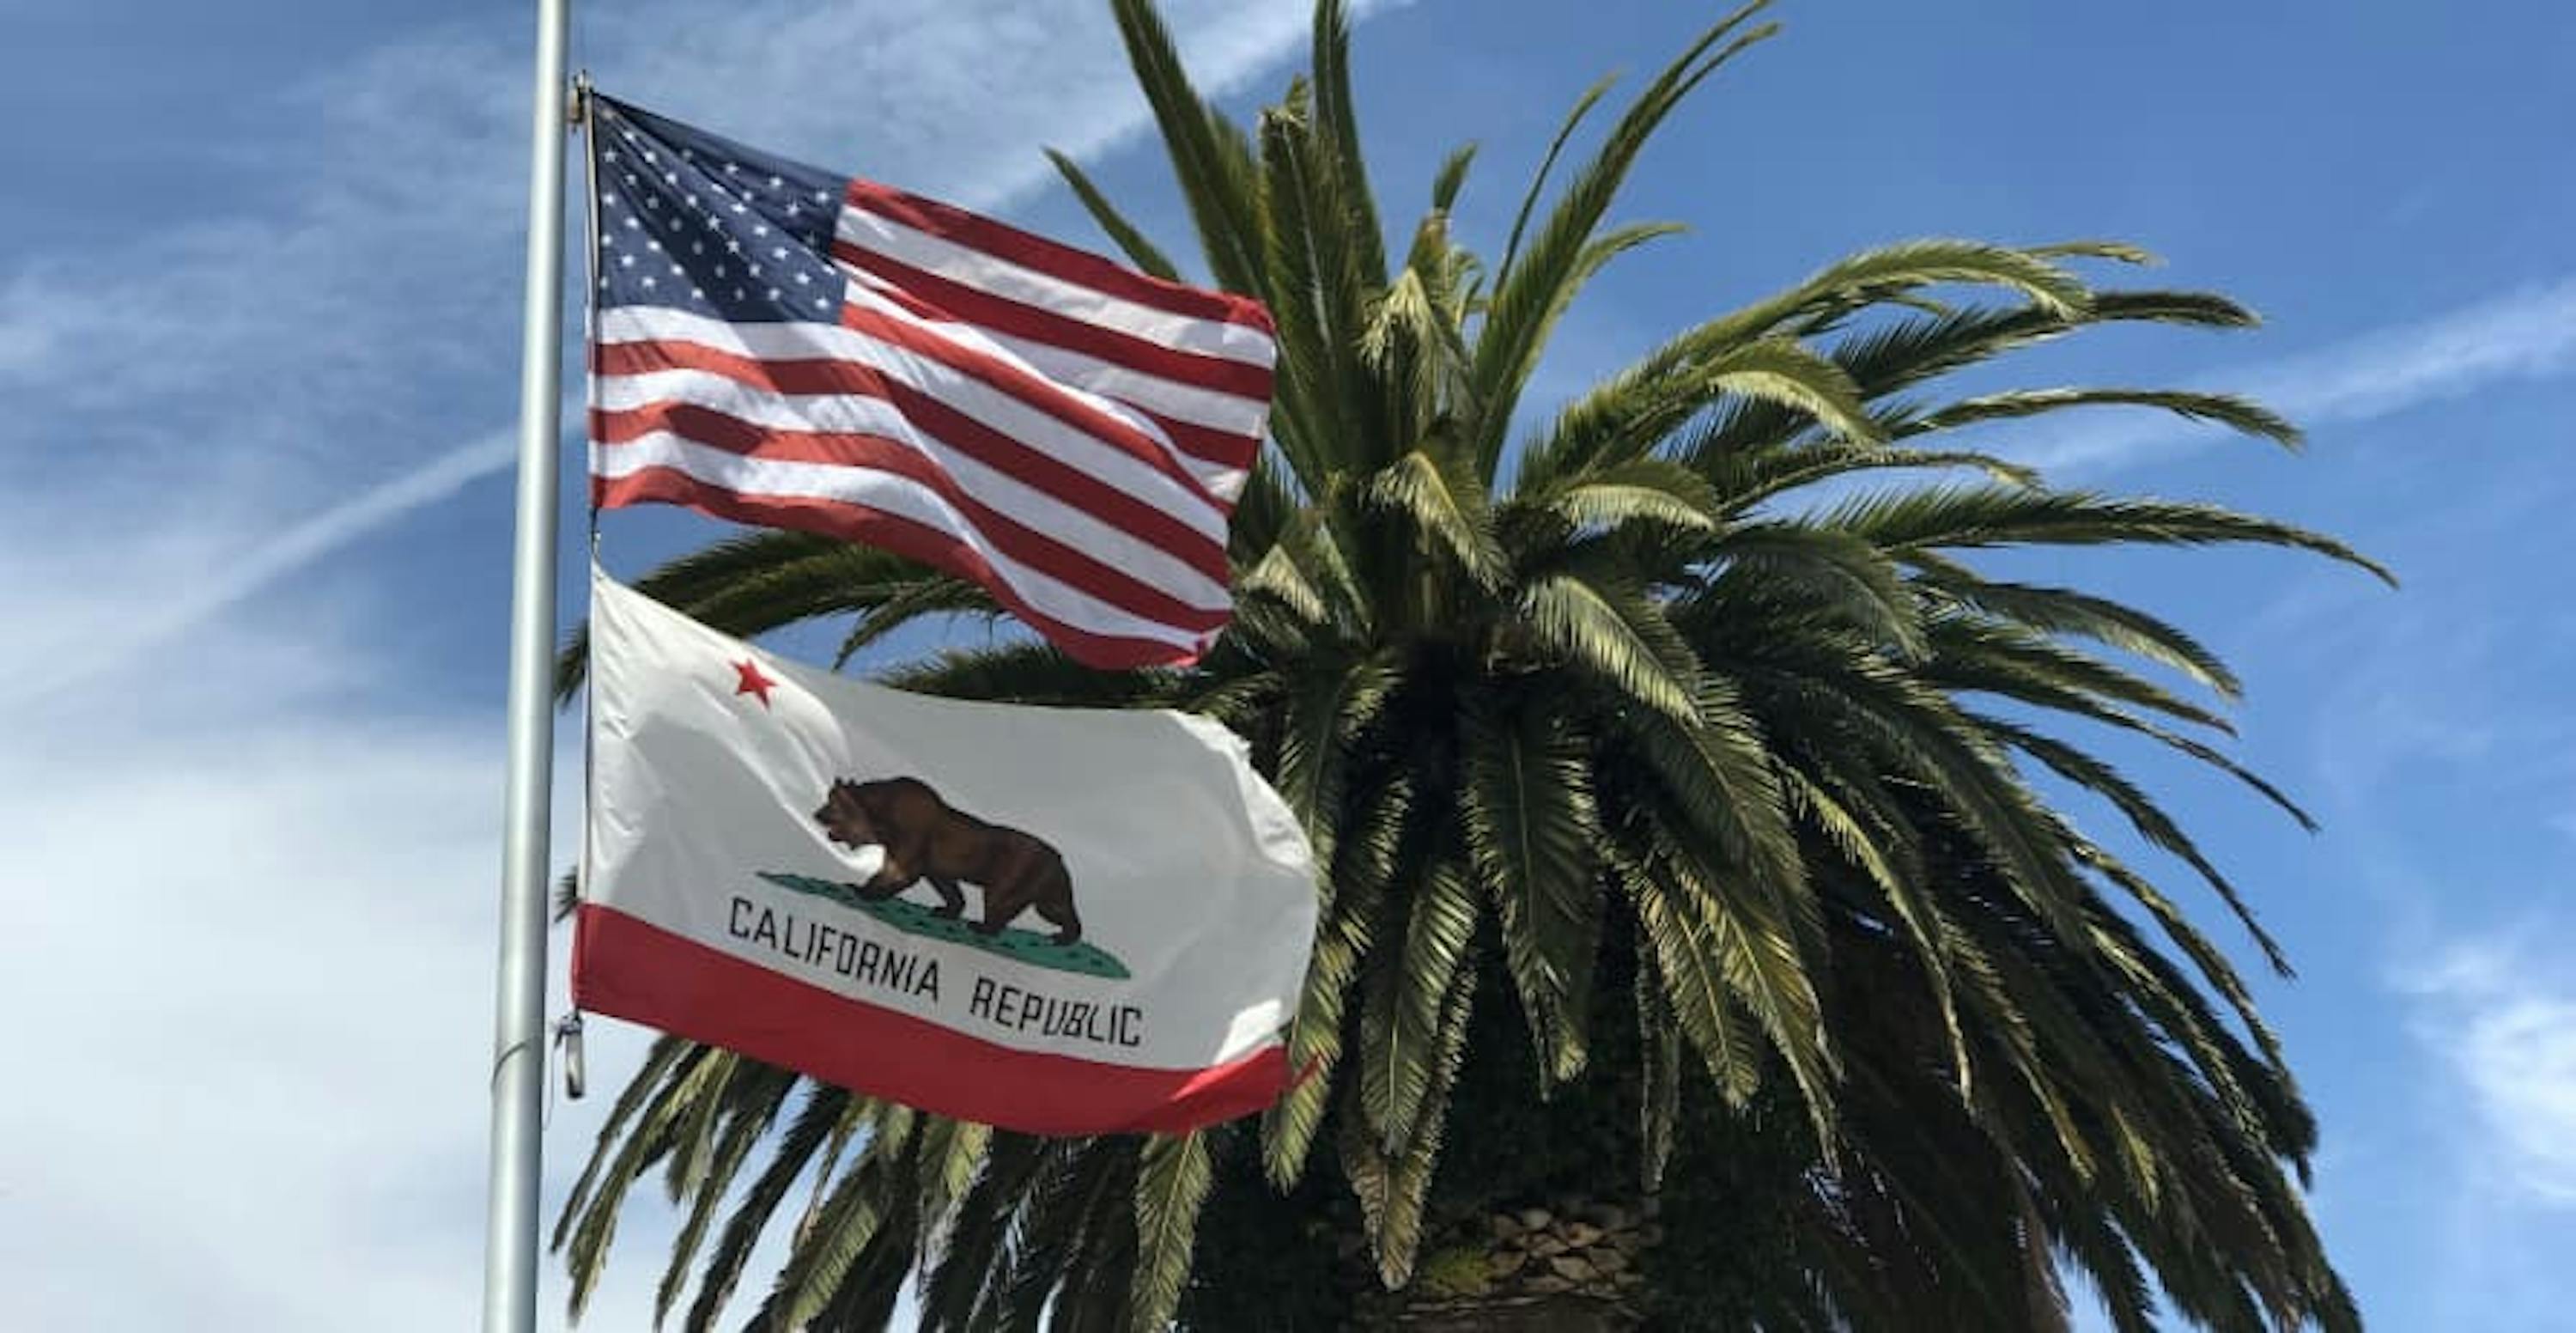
(568, 1043)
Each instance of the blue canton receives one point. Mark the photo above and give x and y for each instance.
(689, 221)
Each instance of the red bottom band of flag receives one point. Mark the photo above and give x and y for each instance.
(627, 968)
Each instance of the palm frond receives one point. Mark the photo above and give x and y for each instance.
(1530, 829)
(1535, 285)
(2237, 413)
(1172, 1181)
(1140, 251)
(1402, 1001)
(2069, 611)
(1214, 171)
(825, 1107)
(1953, 517)
(1640, 491)
(1447, 511)
(1613, 634)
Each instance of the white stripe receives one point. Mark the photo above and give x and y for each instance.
(1217, 410)
(863, 293)
(886, 493)
(1113, 388)
(1181, 402)
(1028, 505)
(991, 274)
(994, 408)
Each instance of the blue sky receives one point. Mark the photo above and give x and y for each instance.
(257, 333)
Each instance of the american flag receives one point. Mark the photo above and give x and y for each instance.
(779, 345)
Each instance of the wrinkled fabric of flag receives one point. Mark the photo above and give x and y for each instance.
(1055, 920)
(776, 344)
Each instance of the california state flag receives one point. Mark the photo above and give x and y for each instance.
(1060, 921)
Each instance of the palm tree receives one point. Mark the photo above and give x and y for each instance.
(1673, 780)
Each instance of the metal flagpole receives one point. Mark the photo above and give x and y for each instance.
(518, 1038)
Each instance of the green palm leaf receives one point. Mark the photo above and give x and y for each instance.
(1172, 1182)
(1530, 831)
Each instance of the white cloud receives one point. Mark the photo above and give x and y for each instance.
(248, 897)
(2493, 1014)
(2529, 333)
(2500, 1013)
(244, 941)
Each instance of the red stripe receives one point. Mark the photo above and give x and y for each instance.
(1208, 445)
(903, 536)
(1001, 314)
(1080, 267)
(827, 374)
(1220, 448)
(1081, 490)
(1021, 382)
(1085, 573)
(820, 376)
(627, 968)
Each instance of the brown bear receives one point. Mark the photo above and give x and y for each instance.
(926, 838)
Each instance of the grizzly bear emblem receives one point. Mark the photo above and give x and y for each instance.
(926, 838)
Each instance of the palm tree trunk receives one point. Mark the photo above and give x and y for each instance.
(1574, 1267)
(1513, 1314)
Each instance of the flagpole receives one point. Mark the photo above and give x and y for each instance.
(518, 1038)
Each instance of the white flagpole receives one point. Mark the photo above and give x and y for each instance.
(518, 1038)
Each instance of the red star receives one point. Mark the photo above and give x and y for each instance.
(750, 681)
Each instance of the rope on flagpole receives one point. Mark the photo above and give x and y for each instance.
(568, 1029)
(589, 124)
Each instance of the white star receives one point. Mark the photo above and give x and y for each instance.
(626, 261)
(737, 293)
(675, 272)
(630, 177)
(688, 155)
(648, 282)
(633, 223)
(773, 293)
(774, 182)
(670, 178)
(697, 247)
(698, 292)
(733, 247)
(691, 201)
(822, 198)
(804, 279)
(609, 239)
(778, 253)
(741, 208)
(648, 156)
(760, 229)
(652, 203)
(720, 270)
(794, 209)
(732, 169)
(654, 246)
(821, 304)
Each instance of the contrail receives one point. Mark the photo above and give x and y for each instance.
(290, 550)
